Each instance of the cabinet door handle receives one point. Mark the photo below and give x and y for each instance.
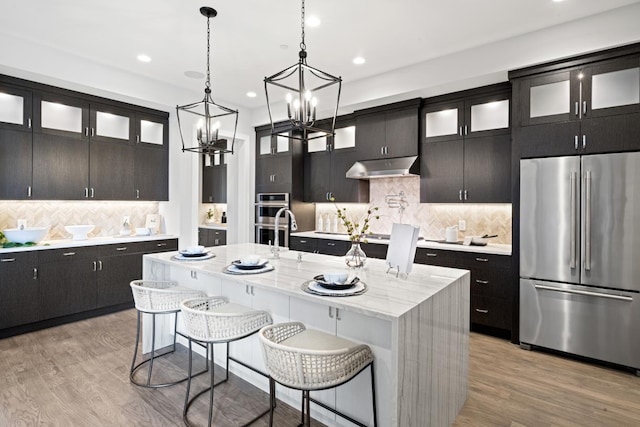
(338, 314)
(123, 248)
(253, 291)
(482, 259)
(35, 273)
(194, 274)
(99, 265)
(460, 131)
(331, 312)
(584, 107)
(159, 245)
(577, 109)
(137, 193)
(93, 193)
(460, 194)
(69, 254)
(331, 244)
(429, 254)
(95, 266)
(29, 122)
(575, 142)
(86, 131)
(93, 132)
(7, 259)
(466, 130)
(584, 141)
(29, 191)
(86, 192)
(483, 311)
(381, 150)
(246, 289)
(326, 195)
(303, 241)
(216, 242)
(137, 139)
(466, 194)
(482, 282)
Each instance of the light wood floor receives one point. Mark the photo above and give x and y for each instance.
(77, 375)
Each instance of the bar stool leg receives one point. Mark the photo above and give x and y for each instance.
(135, 350)
(211, 366)
(308, 410)
(373, 396)
(153, 347)
(272, 399)
(175, 329)
(190, 370)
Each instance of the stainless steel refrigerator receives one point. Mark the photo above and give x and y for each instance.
(580, 255)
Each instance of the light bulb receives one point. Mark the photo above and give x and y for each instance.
(307, 95)
(289, 98)
(314, 101)
(296, 104)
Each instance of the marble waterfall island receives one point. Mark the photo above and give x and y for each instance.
(417, 327)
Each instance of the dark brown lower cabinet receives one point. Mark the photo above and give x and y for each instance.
(44, 287)
(211, 237)
(67, 281)
(18, 289)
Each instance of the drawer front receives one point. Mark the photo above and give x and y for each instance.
(373, 250)
(494, 312)
(495, 283)
(161, 245)
(219, 237)
(64, 254)
(13, 258)
(122, 248)
(436, 257)
(472, 260)
(304, 244)
(333, 247)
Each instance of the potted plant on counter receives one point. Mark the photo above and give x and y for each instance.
(357, 229)
(209, 216)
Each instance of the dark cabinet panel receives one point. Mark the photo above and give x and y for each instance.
(304, 244)
(15, 164)
(214, 181)
(611, 133)
(151, 174)
(60, 167)
(165, 245)
(18, 289)
(401, 133)
(437, 257)
(67, 281)
(333, 247)
(552, 139)
(493, 312)
(274, 174)
(442, 172)
(375, 250)
(317, 176)
(61, 115)
(114, 275)
(345, 189)
(371, 136)
(111, 170)
(212, 237)
(487, 169)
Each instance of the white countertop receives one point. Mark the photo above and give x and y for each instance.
(490, 248)
(214, 226)
(387, 297)
(92, 241)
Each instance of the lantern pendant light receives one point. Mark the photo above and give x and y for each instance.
(304, 88)
(208, 112)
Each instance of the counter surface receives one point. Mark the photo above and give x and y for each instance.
(92, 241)
(490, 248)
(387, 297)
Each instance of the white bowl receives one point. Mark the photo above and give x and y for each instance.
(337, 277)
(29, 234)
(79, 232)
(141, 231)
(250, 260)
(194, 249)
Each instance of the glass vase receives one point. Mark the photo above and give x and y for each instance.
(355, 258)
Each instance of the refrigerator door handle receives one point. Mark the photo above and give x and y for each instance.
(587, 221)
(574, 216)
(586, 293)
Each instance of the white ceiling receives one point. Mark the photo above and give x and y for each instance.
(248, 35)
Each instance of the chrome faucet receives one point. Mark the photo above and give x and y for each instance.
(275, 250)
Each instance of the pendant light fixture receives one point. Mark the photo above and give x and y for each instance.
(208, 112)
(303, 88)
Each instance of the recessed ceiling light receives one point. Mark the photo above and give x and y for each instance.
(144, 58)
(252, 94)
(284, 46)
(313, 21)
(557, 1)
(194, 74)
(359, 60)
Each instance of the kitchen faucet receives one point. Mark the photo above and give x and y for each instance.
(275, 250)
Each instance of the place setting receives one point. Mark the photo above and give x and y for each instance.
(249, 264)
(193, 253)
(335, 284)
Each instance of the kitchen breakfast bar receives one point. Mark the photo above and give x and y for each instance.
(417, 327)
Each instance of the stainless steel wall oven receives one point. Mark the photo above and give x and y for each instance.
(267, 205)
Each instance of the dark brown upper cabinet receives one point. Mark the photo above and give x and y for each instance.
(466, 147)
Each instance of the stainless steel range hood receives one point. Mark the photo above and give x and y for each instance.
(384, 168)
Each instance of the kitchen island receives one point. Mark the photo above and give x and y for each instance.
(417, 327)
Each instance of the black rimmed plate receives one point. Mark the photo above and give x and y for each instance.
(193, 254)
(319, 279)
(238, 264)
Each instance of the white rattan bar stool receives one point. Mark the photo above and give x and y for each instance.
(214, 320)
(306, 359)
(157, 297)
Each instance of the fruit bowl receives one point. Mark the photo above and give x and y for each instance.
(79, 232)
(29, 234)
